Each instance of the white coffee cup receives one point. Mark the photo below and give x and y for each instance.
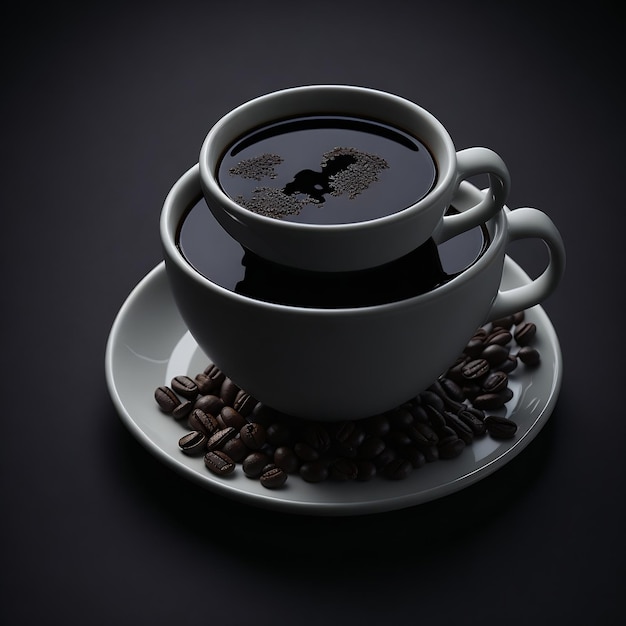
(356, 245)
(334, 364)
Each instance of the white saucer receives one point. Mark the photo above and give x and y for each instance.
(149, 345)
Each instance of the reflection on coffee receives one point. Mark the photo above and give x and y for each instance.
(327, 170)
(213, 253)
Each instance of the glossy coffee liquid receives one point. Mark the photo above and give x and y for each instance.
(214, 253)
(327, 170)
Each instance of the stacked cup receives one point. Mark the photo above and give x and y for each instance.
(328, 361)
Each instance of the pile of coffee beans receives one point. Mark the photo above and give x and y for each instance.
(228, 427)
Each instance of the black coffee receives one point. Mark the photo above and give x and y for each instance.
(327, 170)
(215, 254)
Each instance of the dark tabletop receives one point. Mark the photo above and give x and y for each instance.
(102, 110)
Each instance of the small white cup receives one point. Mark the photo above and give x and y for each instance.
(334, 364)
(356, 245)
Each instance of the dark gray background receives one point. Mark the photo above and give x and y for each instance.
(103, 108)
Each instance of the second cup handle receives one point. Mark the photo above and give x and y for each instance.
(471, 162)
(526, 223)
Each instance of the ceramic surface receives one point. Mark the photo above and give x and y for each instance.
(314, 362)
(149, 344)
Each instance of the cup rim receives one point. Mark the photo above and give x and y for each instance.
(187, 191)
(211, 186)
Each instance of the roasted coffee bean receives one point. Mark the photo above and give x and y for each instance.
(454, 406)
(423, 435)
(431, 453)
(278, 434)
(193, 443)
(524, 333)
(450, 447)
(376, 426)
(205, 422)
(491, 401)
(182, 410)
(184, 386)
(343, 431)
(455, 373)
(435, 417)
(518, 317)
(313, 472)
(166, 399)
(231, 417)
(445, 432)
(414, 456)
(351, 437)
(350, 450)
(219, 463)
(366, 470)
(205, 384)
(419, 414)
(495, 354)
(254, 463)
(397, 439)
(451, 390)
(236, 449)
(371, 447)
(273, 478)
(209, 404)
(253, 435)
(386, 456)
(478, 413)
(508, 365)
(495, 381)
(436, 388)
(474, 347)
(228, 391)
(398, 469)
(477, 425)
(416, 436)
(472, 390)
(432, 399)
(463, 430)
(475, 369)
(499, 337)
(286, 459)
(503, 322)
(244, 403)
(215, 374)
(481, 332)
(529, 356)
(269, 466)
(317, 437)
(220, 437)
(507, 394)
(305, 452)
(400, 418)
(343, 469)
(500, 427)
(449, 403)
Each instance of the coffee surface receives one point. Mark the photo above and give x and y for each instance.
(214, 253)
(327, 170)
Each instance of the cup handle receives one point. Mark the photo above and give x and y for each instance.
(471, 162)
(526, 223)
